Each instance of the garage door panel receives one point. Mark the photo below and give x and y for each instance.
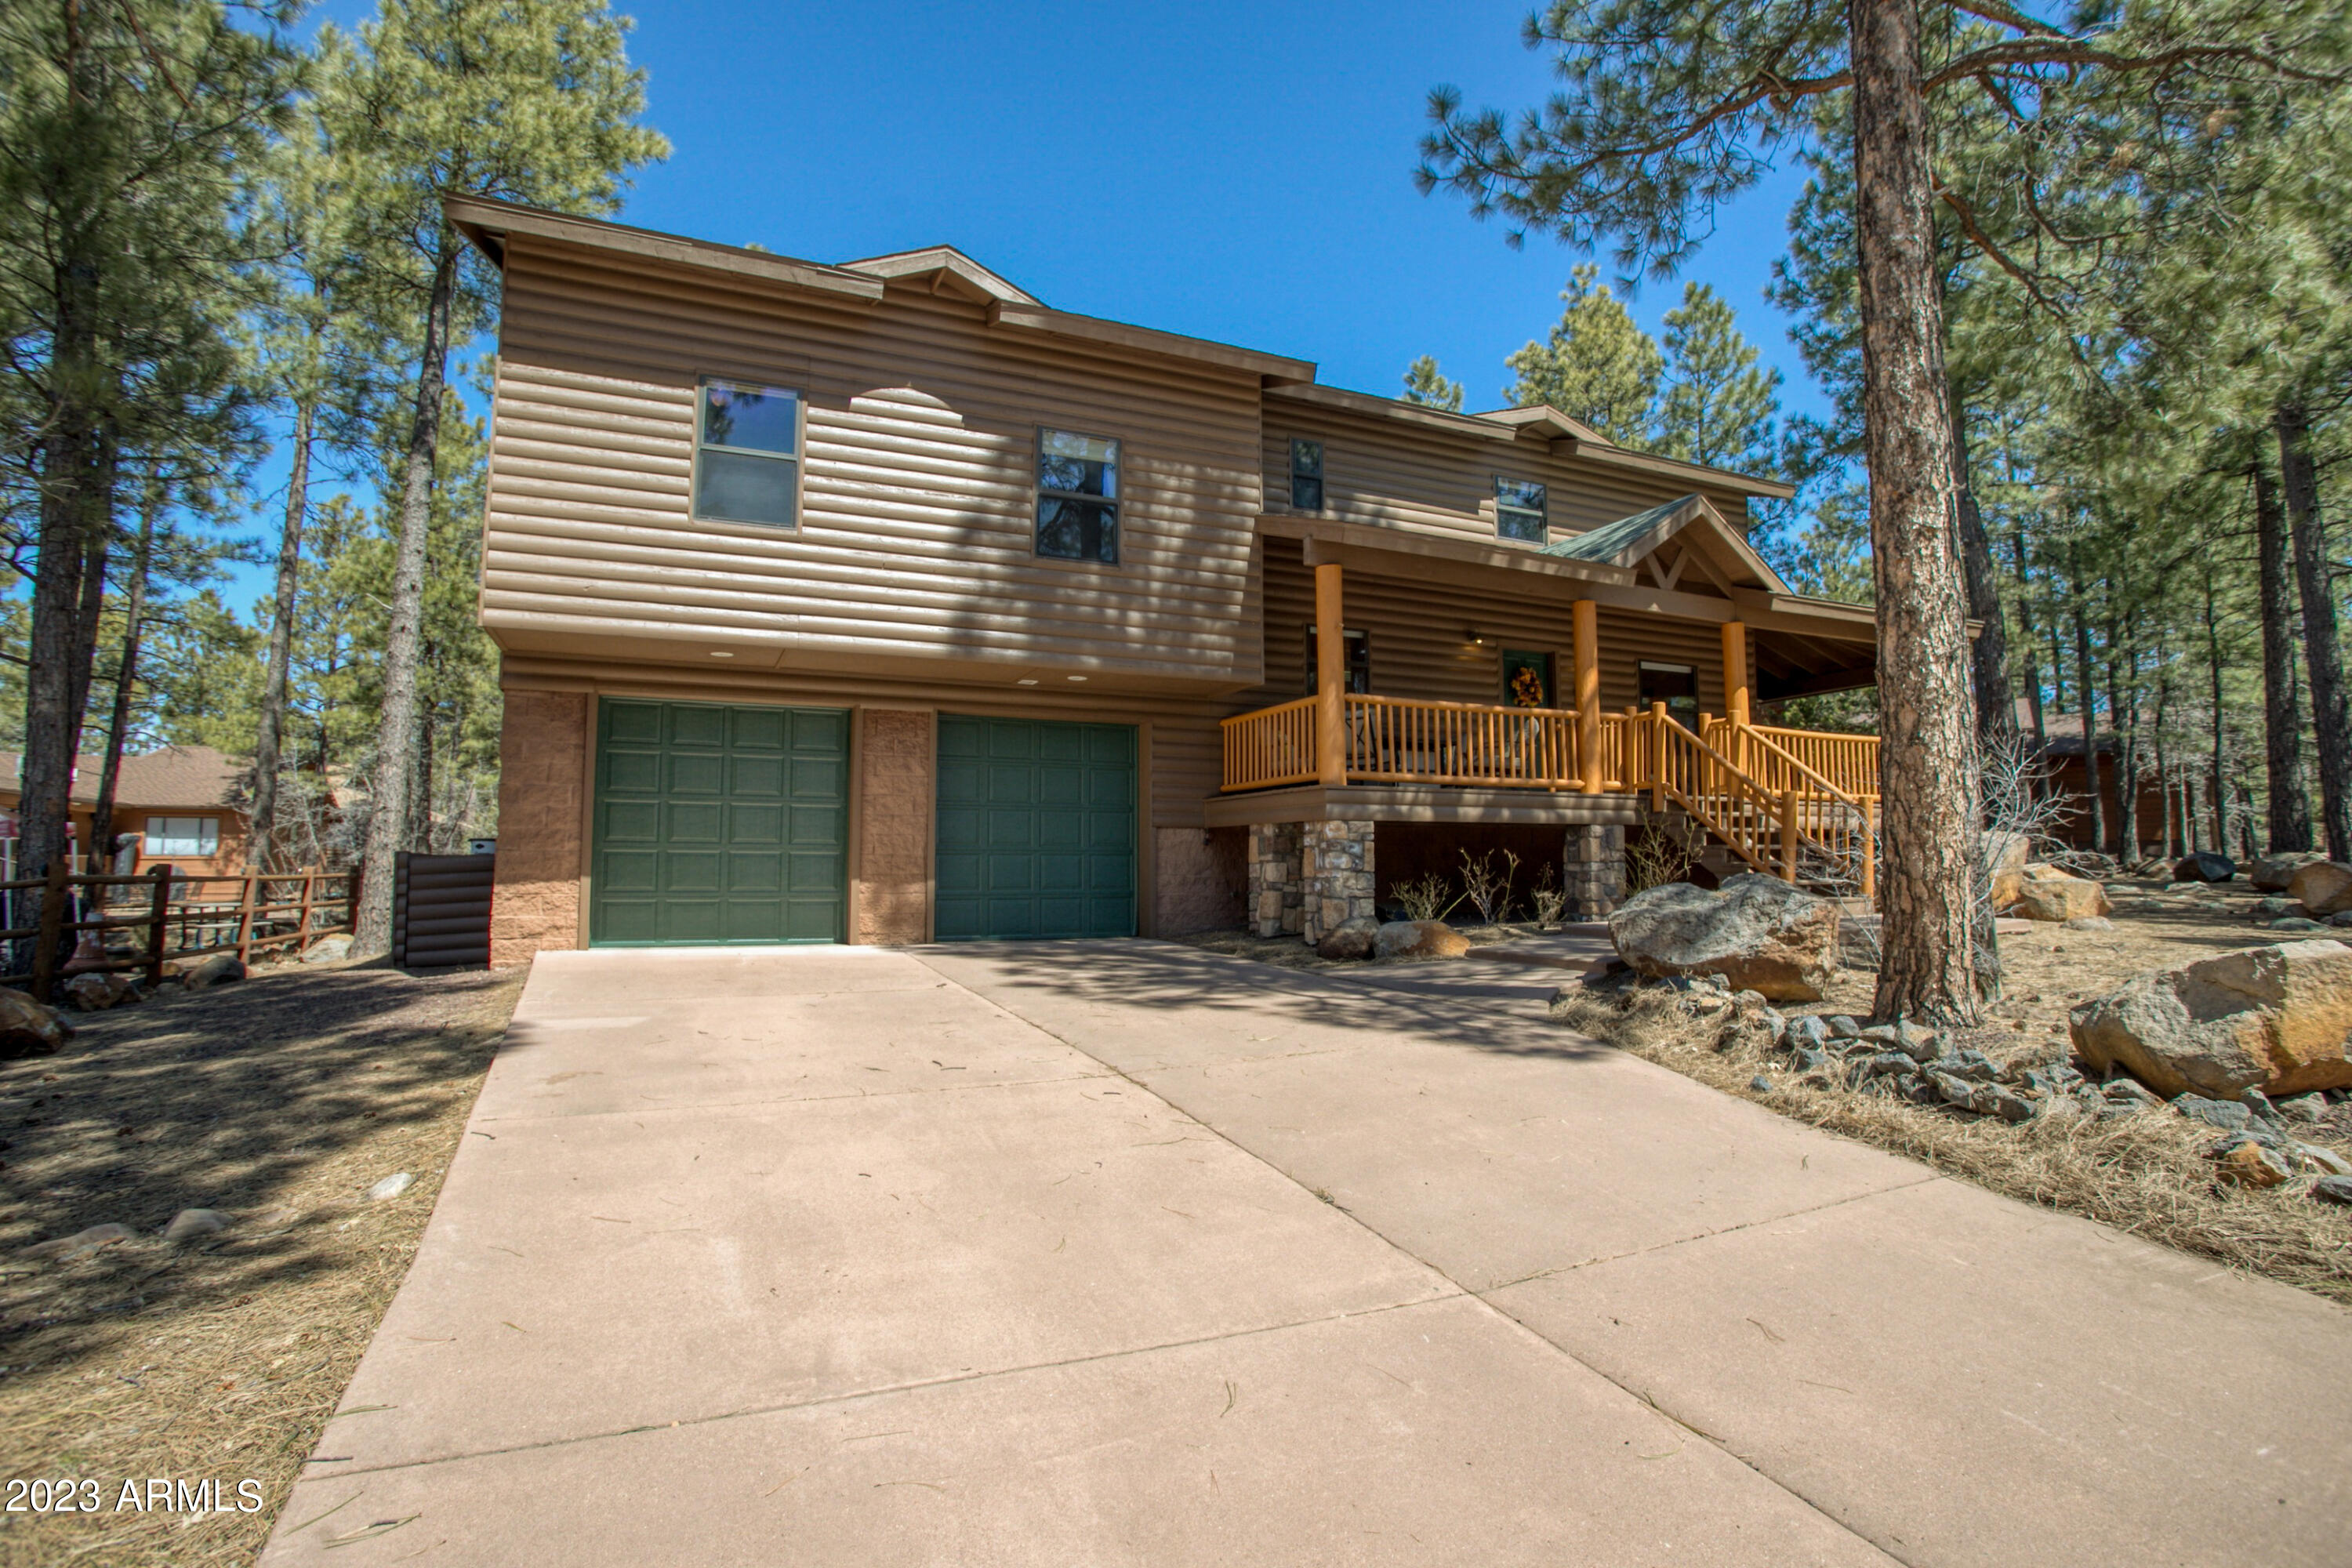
(728, 826)
(698, 727)
(1025, 847)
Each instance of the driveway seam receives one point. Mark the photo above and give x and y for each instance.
(1366, 1225)
(721, 1105)
(917, 1384)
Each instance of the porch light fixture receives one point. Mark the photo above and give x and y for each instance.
(1478, 638)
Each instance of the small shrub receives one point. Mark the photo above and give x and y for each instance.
(1489, 890)
(1424, 898)
(1659, 855)
(1551, 899)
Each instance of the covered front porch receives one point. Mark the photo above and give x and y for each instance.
(1314, 777)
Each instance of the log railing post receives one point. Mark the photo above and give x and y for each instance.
(159, 924)
(1331, 678)
(1789, 835)
(245, 922)
(302, 932)
(52, 928)
(1585, 625)
(1657, 756)
(1869, 859)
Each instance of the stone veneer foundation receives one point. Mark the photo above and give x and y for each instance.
(1594, 874)
(1336, 867)
(542, 769)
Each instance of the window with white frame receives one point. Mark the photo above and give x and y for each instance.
(746, 453)
(1077, 496)
(183, 836)
(1519, 510)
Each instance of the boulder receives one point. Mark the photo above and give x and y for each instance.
(335, 949)
(190, 1224)
(29, 1029)
(2277, 1018)
(2251, 1165)
(220, 969)
(2090, 923)
(2204, 867)
(2322, 888)
(2006, 855)
(2049, 894)
(88, 992)
(2226, 1114)
(2273, 872)
(1419, 939)
(2333, 1189)
(1349, 942)
(81, 1244)
(1756, 934)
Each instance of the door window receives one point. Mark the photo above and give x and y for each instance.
(1676, 686)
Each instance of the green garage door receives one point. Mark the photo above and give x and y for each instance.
(718, 825)
(1036, 828)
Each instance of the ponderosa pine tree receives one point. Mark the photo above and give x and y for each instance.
(124, 133)
(528, 101)
(1667, 111)
(1719, 405)
(1424, 383)
(1596, 366)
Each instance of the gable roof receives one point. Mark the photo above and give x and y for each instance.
(1624, 543)
(951, 272)
(195, 776)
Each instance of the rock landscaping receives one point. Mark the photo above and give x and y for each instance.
(1753, 933)
(2207, 1104)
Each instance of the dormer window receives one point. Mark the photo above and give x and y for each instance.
(747, 447)
(1077, 496)
(1305, 476)
(1520, 511)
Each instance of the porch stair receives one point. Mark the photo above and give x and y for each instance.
(1762, 808)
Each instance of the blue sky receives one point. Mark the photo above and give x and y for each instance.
(1240, 172)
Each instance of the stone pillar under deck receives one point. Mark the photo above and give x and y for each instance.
(1336, 867)
(1594, 874)
(1277, 888)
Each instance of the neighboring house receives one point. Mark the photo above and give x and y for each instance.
(880, 602)
(2060, 770)
(179, 804)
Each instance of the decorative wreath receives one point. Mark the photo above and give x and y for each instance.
(1527, 687)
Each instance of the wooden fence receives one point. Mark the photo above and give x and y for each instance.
(175, 916)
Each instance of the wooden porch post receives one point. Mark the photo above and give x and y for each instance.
(1586, 624)
(1735, 688)
(1330, 680)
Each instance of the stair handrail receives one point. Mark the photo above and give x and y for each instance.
(1748, 785)
(1800, 764)
(1869, 825)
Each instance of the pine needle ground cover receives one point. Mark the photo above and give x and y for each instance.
(2148, 1174)
(278, 1102)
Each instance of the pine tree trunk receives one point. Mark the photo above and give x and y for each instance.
(281, 650)
(2123, 718)
(1988, 651)
(2220, 736)
(396, 757)
(134, 609)
(1933, 865)
(2025, 639)
(2290, 801)
(2084, 689)
(2331, 723)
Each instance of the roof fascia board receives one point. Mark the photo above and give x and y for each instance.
(1148, 340)
(1392, 408)
(488, 222)
(1538, 415)
(1674, 468)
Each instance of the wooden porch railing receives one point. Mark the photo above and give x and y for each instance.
(1794, 804)
(238, 914)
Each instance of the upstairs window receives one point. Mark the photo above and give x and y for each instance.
(183, 836)
(1077, 496)
(747, 454)
(1520, 511)
(1307, 475)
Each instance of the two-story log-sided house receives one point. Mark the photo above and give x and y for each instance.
(881, 603)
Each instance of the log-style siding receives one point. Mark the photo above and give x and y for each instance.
(1392, 473)
(916, 537)
(1418, 632)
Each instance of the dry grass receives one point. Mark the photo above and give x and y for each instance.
(2146, 1174)
(280, 1101)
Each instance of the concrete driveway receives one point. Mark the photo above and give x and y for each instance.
(1124, 1253)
